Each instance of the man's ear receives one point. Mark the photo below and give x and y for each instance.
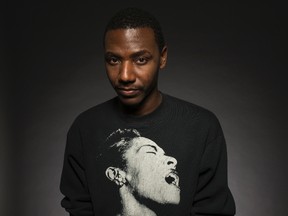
(116, 175)
(163, 57)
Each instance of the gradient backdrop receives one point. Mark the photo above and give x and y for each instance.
(225, 57)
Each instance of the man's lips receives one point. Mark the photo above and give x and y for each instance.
(128, 92)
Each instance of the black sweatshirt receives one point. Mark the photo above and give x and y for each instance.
(189, 133)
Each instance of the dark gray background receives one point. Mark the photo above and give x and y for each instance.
(227, 57)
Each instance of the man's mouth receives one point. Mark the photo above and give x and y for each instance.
(128, 92)
(172, 178)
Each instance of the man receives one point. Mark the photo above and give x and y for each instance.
(144, 176)
(135, 51)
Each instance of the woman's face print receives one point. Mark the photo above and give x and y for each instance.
(150, 173)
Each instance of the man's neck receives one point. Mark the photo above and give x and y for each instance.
(144, 108)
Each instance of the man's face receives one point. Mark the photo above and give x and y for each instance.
(150, 173)
(132, 61)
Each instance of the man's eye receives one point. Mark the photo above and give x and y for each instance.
(112, 60)
(152, 152)
(141, 60)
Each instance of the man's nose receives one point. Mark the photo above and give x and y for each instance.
(127, 73)
(171, 161)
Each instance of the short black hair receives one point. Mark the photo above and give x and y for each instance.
(132, 17)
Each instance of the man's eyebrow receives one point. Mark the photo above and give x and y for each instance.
(110, 54)
(133, 55)
(152, 146)
(139, 53)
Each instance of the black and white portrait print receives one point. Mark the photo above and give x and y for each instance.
(144, 177)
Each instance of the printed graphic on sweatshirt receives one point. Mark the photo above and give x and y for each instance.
(144, 175)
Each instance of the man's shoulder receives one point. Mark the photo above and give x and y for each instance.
(192, 112)
(96, 112)
(188, 107)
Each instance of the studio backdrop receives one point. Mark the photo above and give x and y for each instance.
(224, 57)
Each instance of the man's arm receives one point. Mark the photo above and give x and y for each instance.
(213, 196)
(73, 186)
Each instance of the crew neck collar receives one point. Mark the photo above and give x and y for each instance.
(152, 116)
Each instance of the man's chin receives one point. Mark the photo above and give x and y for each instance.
(130, 102)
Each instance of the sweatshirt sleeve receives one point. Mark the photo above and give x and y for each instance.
(213, 196)
(73, 185)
